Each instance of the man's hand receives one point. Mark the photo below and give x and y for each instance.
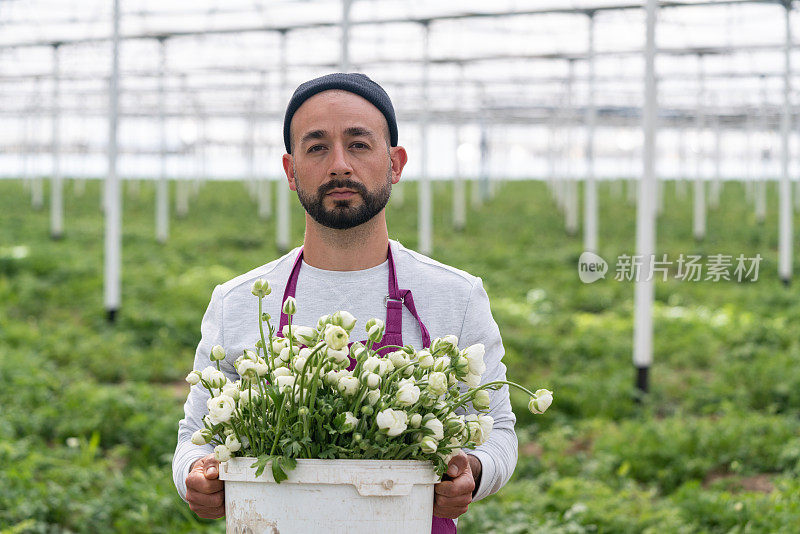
(204, 491)
(453, 494)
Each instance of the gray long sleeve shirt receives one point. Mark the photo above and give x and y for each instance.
(448, 301)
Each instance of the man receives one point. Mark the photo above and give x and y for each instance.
(342, 158)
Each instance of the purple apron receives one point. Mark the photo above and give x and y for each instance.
(393, 335)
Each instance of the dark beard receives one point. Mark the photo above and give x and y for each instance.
(343, 216)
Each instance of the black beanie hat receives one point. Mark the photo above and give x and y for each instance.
(351, 82)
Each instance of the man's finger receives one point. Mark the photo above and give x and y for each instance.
(199, 482)
(457, 465)
(206, 500)
(443, 501)
(211, 468)
(461, 485)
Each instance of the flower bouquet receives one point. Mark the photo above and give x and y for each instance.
(299, 397)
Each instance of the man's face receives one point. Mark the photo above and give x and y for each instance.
(341, 165)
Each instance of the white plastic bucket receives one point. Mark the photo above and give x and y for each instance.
(331, 496)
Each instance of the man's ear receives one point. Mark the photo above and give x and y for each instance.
(399, 159)
(288, 168)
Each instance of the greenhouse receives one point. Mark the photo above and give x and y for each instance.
(619, 181)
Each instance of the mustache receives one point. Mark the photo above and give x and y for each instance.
(348, 184)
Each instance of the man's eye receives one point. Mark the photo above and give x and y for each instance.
(359, 145)
(316, 148)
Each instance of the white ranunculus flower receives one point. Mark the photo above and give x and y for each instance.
(248, 396)
(394, 422)
(358, 349)
(331, 378)
(348, 386)
(371, 364)
(541, 402)
(193, 377)
(437, 427)
(222, 453)
(281, 371)
(340, 357)
(304, 335)
(398, 358)
(350, 422)
(217, 353)
(336, 337)
(345, 319)
(246, 368)
(408, 393)
(415, 421)
(425, 359)
(261, 367)
(278, 344)
(428, 445)
(372, 380)
(231, 390)
(487, 423)
(441, 363)
(373, 397)
(220, 408)
(285, 383)
(199, 437)
(437, 384)
(214, 377)
(298, 364)
(285, 355)
(472, 381)
(233, 444)
(474, 355)
(386, 366)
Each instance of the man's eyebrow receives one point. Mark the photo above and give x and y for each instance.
(359, 131)
(313, 134)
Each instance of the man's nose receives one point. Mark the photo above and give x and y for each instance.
(339, 165)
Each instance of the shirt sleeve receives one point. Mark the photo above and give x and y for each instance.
(498, 456)
(196, 406)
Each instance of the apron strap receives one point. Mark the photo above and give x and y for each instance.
(394, 301)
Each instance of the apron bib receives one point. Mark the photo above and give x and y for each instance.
(393, 335)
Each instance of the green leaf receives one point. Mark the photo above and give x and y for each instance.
(277, 472)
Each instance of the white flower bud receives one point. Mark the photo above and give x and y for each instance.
(260, 288)
(428, 445)
(350, 422)
(481, 400)
(394, 422)
(199, 437)
(474, 355)
(425, 359)
(298, 364)
(232, 443)
(290, 306)
(541, 402)
(285, 383)
(348, 386)
(437, 384)
(472, 381)
(213, 377)
(217, 353)
(437, 427)
(222, 453)
(415, 421)
(336, 337)
(441, 363)
(345, 320)
(193, 378)
(372, 380)
(375, 328)
(373, 397)
(304, 335)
